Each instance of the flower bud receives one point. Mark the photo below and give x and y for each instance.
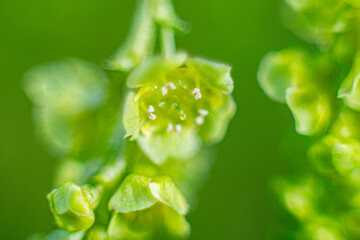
(72, 207)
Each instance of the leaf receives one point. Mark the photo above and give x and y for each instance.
(154, 69)
(165, 190)
(133, 194)
(213, 74)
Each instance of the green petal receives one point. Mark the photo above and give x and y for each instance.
(133, 194)
(213, 74)
(155, 69)
(179, 145)
(350, 88)
(166, 191)
(311, 110)
(131, 117)
(69, 87)
(216, 124)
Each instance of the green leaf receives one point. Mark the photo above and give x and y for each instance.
(133, 194)
(161, 146)
(155, 69)
(131, 117)
(214, 74)
(166, 191)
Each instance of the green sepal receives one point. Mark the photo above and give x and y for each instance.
(159, 147)
(133, 194)
(155, 69)
(216, 124)
(72, 207)
(97, 232)
(176, 225)
(311, 110)
(131, 117)
(213, 74)
(166, 191)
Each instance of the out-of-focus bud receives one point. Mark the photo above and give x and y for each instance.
(347, 124)
(294, 77)
(280, 70)
(72, 207)
(323, 228)
(350, 88)
(311, 109)
(68, 87)
(299, 198)
(332, 156)
(178, 98)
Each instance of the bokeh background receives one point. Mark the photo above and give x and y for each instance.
(235, 203)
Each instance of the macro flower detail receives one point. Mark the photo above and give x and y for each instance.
(133, 141)
(183, 98)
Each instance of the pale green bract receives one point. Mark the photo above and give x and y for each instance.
(133, 140)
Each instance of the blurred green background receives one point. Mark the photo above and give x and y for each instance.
(235, 203)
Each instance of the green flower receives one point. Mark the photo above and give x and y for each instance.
(143, 204)
(72, 206)
(178, 99)
(297, 78)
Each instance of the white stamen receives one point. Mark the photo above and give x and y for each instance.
(164, 91)
(151, 109)
(150, 113)
(199, 120)
(178, 127)
(167, 86)
(170, 85)
(197, 93)
(203, 112)
(170, 128)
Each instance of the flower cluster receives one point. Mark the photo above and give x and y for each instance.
(133, 138)
(322, 92)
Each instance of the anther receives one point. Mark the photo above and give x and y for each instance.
(170, 128)
(203, 112)
(197, 93)
(150, 111)
(178, 127)
(199, 120)
(167, 86)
